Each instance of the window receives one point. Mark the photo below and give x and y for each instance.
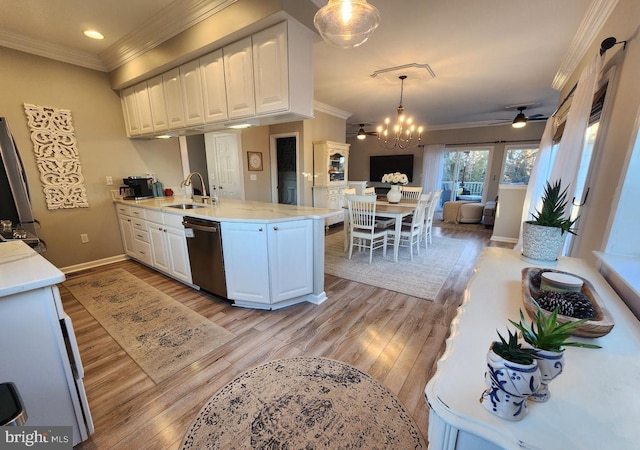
(464, 174)
(518, 163)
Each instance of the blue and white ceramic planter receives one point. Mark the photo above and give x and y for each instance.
(509, 385)
(550, 365)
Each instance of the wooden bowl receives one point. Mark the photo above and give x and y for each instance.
(600, 325)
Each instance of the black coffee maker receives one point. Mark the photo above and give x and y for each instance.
(137, 188)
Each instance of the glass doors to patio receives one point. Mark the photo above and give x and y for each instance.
(464, 174)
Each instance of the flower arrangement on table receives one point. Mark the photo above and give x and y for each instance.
(395, 178)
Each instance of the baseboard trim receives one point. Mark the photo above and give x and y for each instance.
(504, 239)
(93, 264)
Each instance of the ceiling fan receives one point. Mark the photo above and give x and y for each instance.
(521, 120)
(361, 133)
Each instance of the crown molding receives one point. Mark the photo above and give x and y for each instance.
(51, 51)
(328, 109)
(170, 21)
(589, 28)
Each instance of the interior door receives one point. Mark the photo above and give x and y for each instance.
(284, 161)
(223, 165)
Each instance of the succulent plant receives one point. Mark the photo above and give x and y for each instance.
(554, 204)
(512, 350)
(545, 333)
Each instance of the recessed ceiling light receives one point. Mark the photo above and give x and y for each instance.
(93, 34)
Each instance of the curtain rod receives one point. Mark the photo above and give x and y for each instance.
(565, 99)
(496, 142)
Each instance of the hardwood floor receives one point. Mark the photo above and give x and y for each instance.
(395, 338)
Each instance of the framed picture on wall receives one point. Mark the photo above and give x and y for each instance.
(255, 160)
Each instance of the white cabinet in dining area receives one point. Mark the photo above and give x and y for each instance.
(268, 263)
(331, 176)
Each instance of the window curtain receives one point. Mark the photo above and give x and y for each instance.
(432, 164)
(565, 164)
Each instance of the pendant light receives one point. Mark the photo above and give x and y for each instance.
(520, 119)
(404, 133)
(346, 23)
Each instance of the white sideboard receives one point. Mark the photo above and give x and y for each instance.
(595, 402)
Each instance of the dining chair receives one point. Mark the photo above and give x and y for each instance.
(362, 225)
(428, 224)
(369, 190)
(411, 234)
(411, 192)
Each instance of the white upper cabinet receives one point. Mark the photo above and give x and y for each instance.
(270, 69)
(191, 84)
(144, 107)
(158, 106)
(213, 88)
(173, 98)
(130, 109)
(238, 74)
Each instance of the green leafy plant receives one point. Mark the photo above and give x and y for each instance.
(512, 350)
(554, 204)
(545, 333)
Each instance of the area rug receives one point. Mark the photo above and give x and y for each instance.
(423, 277)
(303, 403)
(161, 334)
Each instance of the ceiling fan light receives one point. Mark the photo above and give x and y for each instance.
(346, 23)
(361, 134)
(520, 121)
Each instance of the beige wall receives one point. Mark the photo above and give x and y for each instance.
(617, 128)
(102, 144)
(496, 137)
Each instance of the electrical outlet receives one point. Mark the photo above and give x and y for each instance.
(109, 180)
(84, 238)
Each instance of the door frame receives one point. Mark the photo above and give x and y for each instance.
(273, 153)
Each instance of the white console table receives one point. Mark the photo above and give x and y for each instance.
(595, 402)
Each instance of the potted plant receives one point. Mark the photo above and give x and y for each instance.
(548, 339)
(512, 376)
(544, 236)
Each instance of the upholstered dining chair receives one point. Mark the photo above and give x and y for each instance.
(362, 226)
(428, 219)
(411, 234)
(411, 192)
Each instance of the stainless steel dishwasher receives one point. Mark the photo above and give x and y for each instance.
(204, 241)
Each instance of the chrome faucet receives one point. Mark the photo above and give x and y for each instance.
(187, 182)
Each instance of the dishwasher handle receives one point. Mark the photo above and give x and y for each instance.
(207, 229)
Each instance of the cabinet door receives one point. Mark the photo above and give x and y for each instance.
(213, 88)
(157, 102)
(192, 93)
(179, 254)
(246, 262)
(291, 259)
(159, 251)
(238, 74)
(126, 231)
(173, 98)
(130, 111)
(144, 108)
(270, 69)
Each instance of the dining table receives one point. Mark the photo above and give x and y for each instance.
(386, 210)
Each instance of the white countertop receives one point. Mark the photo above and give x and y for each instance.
(23, 269)
(594, 403)
(235, 210)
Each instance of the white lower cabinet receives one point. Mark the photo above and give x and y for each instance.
(169, 245)
(268, 263)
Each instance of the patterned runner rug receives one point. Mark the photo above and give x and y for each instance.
(303, 403)
(423, 277)
(161, 334)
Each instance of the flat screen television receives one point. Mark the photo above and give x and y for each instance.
(380, 165)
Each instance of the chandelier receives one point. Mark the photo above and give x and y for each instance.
(404, 133)
(346, 23)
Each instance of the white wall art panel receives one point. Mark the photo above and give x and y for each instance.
(54, 144)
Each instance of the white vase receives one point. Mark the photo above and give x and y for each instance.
(509, 385)
(542, 243)
(394, 195)
(550, 365)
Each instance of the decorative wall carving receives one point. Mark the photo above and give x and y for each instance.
(54, 144)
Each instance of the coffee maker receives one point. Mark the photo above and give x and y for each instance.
(137, 188)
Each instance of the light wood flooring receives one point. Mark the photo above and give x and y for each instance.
(395, 338)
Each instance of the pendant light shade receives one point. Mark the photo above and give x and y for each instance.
(346, 23)
(520, 120)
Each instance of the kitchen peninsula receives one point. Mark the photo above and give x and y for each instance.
(273, 254)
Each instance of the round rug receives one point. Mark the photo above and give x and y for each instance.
(303, 403)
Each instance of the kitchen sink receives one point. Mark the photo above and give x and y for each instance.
(187, 206)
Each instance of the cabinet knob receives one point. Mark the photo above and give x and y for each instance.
(260, 229)
(160, 229)
(275, 228)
